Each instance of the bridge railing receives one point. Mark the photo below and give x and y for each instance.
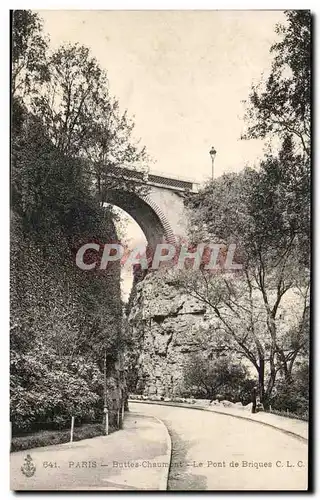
(155, 179)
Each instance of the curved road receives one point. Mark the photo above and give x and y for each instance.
(206, 448)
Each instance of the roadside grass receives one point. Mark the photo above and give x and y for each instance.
(289, 414)
(46, 438)
(160, 399)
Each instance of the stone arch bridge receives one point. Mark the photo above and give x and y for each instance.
(160, 213)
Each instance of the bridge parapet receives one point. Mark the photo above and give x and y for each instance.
(158, 179)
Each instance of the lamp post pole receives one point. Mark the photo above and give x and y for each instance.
(212, 153)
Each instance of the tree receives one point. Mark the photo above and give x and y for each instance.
(293, 396)
(210, 377)
(63, 320)
(83, 120)
(249, 303)
(29, 52)
(72, 98)
(269, 339)
(266, 214)
(281, 200)
(279, 111)
(281, 104)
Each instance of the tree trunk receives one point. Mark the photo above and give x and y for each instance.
(254, 400)
(261, 381)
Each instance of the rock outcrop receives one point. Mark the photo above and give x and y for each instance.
(172, 326)
(117, 394)
(168, 324)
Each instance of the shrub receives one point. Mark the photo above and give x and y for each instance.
(221, 378)
(293, 395)
(46, 391)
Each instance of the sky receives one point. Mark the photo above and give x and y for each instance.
(183, 76)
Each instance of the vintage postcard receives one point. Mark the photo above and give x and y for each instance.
(160, 250)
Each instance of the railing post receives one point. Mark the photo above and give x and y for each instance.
(106, 412)
(72, 429)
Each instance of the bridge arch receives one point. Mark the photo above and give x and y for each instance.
(146, 212)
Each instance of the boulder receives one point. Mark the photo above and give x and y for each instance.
(259, 407)
(238, 404)
(226, 403)
(248, 407)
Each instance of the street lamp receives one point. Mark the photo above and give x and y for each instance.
(212, 153)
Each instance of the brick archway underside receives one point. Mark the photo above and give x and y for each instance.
(146, 213)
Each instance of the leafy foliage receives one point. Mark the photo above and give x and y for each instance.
(263, 311)
(29, 66)
(279, 110)
(83, 120)
(66, 324)
(47, 389)
(221, 376)
(281, 104)
(293, 396)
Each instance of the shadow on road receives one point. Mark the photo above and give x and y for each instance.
(180, 475)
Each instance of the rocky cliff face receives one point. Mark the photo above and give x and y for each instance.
(170, 326)
(167, 324)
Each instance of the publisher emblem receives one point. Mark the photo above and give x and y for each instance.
(28, 468)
